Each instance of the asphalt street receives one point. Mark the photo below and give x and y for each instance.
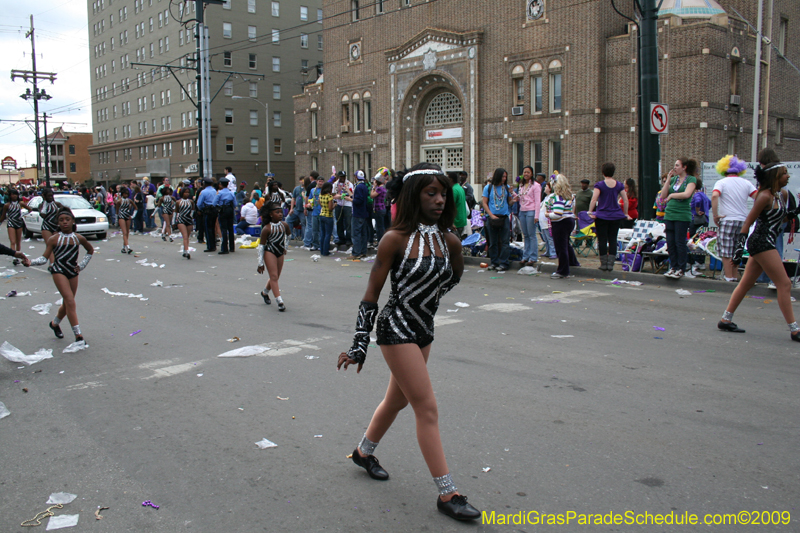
(554, 396)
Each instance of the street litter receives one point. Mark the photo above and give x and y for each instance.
(144, 262)
(315, 257)
(683, 292)
(462, 304)
(562, 336)
(61, 498)
(264, 444)
(235, 339)
(486, 469)
(621, 281)
(97, 514)
(338, 259)
(76, 346)
(129, 295)
(527, 271)
(370, 258)
(135, 332)
(284, 399)
(452, 310)
(310, 357)
(12, 294)
(158, 283)
(659, 338)
(8, 273)
(59, 302)
(245, 351)
(546, 263)
(62, 521)
(16, 356)
(42, 309)
(317, 436)
(148, 503)
(4, 412)
(659, 329)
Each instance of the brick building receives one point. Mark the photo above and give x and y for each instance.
(480, 85)
(68, 156)
(144, 118)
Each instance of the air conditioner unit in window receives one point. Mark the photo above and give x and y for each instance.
(345, 128)
(517, 110)
(736, 99)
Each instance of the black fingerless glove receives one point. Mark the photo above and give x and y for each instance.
(738, 248)
(367, 313)
(447, 287)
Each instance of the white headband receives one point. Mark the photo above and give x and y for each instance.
(425, 171)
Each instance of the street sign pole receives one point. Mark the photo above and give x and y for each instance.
(649, 149)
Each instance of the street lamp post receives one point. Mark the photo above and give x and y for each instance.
(266, 118)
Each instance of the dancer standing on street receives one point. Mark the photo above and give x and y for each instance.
(768, 213)
(65, 246)
(425, 262)
(185, 218)
(12, 213)
(271, 249)
(125, 212)
(167, 205)
(48, 210)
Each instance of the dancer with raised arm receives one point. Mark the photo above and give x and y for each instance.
(64, 246)
(424, 260)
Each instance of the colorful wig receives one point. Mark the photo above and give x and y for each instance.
(730, 164)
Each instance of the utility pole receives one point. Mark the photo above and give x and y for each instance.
(757, 87)
(203, 89)
(36, 95)
(649, 147)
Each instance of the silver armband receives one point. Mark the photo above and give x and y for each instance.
(260, 252)
(42, 260)
(84, 262)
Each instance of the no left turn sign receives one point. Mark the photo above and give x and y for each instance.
(659, 119)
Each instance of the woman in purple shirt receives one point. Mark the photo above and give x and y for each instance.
(378, 195)
(608, 216)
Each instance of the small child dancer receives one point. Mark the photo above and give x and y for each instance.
(126, 210)
(167, 204)
(12, 213)
(185, 218)
(271, 249)
(64, 246)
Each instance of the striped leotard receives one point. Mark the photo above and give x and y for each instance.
(14, 215)
(768, 226)
(49, 213)
(417, 285)
(185, 212)
(65, 255)
(125, 209)
(276, 240)
(167, 205)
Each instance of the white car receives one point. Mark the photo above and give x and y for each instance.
(90, 221)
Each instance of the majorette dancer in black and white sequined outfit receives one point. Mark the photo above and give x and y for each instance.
(769, 214)
(271, 249)
(126, 210)
(12, 214)
(64, 246)
(167, 204)
(185, 220)
(425, 262)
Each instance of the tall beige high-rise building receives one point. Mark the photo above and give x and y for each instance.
(144, 117)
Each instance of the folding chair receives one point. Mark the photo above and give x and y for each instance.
(584, 235)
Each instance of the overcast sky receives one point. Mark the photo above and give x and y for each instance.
(62, 46)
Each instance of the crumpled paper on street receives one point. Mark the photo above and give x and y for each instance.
(245, 351)
(263, 444)
(144, 262)
(129, 295)
(42, 309)
(8, 273)
(4, 412)
(76, 346)
(527, 271)
(61, 497)
(462, 304)
(15, 355)
(315, 257)
(158, 283)
(62, 521)
(683, 292)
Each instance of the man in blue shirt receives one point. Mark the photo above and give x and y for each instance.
(226, 204)
(297, 211)
(205, 205)
(311, 241)
(360, 217)
(497, 200)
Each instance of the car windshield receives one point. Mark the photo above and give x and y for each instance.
(73, 202)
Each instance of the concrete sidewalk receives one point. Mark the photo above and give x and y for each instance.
(590, 269)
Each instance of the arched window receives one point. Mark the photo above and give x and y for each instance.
(445, 108)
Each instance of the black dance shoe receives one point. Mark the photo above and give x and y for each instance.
(266, 298)
(796, 337)
(729, 326)
(57, 330)
(281, 307)
(458, 508)
(371, 465)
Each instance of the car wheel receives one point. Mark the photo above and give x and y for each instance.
(101, 236)
(28, 234)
